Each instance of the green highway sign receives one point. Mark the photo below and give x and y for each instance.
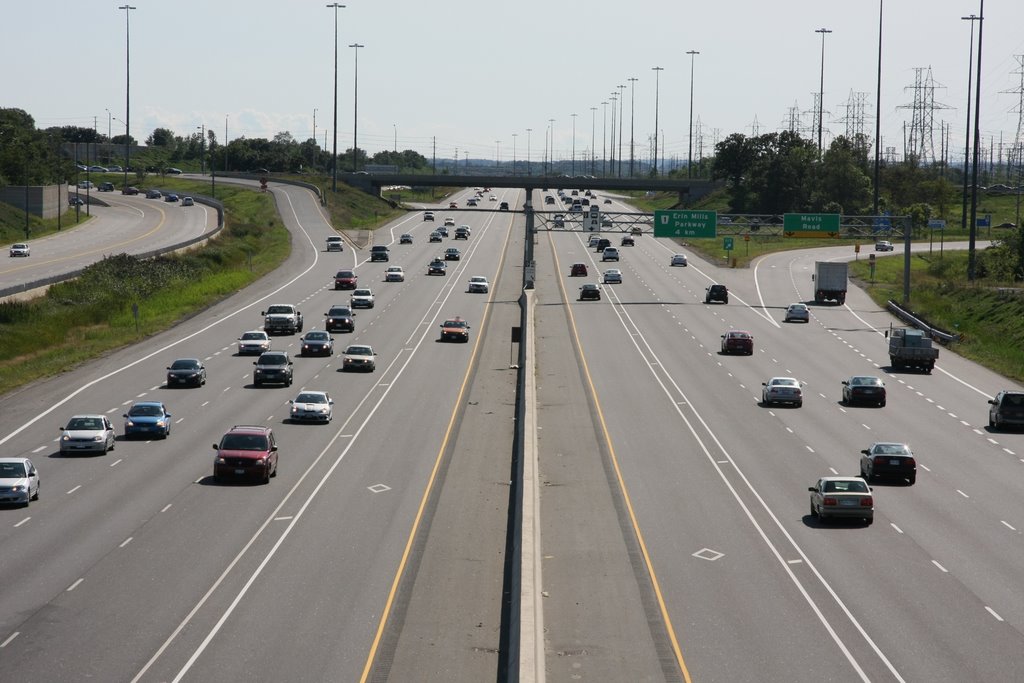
(810, 222)
(679, 223)
(727, 243)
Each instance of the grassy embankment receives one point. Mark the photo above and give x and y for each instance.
(79, 320)
(988, 313)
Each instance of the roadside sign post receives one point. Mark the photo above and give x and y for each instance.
(678, 223)
(871, 266)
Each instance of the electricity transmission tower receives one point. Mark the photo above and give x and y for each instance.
(920, 144)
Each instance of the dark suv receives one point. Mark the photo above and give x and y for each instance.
(339, 319)
(1007, 410)
(379, 252)
(273, 367)
(716, 293)
(246, 452)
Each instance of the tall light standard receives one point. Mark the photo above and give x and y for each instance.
(593, 133)
(314, 126)
(497, 156)
(622, 97)
(226, 141)
(334, 155)
(395, 126)
(572, 166)
(967, 135)
(355, 112)
(108, 135)
(528, 131)
(821, 87)
(202, 149)
(514, 136)
(689, 155)
(657, 73)
(878, 109)
(551, 155)
(632, 111)
(971, 258)
(127, 90)
(611, 141)
(604, 140)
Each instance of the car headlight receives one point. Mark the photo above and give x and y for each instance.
(66, 437)
(220, 460)
(161, 423)
(97, 438)
(18, 489)
(129, 423)
(295, 409)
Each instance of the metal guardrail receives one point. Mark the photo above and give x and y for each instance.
(64, 277)
(911, 319)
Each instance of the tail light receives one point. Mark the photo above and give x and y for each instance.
(911, 462)
(867, 501)
(879, 460)
(828, 501)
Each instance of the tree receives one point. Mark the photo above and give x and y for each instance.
(841, 178)
(161, 137)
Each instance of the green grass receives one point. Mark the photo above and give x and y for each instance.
(12, 224)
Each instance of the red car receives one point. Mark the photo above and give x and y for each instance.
(738, 341)
(345, 279)
(246, 452)
(578, 270)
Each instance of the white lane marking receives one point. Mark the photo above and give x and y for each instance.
(795, 561)
(41, 448)
(941, 568)
(10, 638)
(833, 470)
(116, 462)
(125, 542)
(898, 530)
(994, 613)
(1007, 525)
(73, 586)
(22, 522)
(962, 493)
(167, 507)
(923, 467)
(204, 404)
(72, 490)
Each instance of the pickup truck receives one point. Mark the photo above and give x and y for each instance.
(282, 319)
(911, 348)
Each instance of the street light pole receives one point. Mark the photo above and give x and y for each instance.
(657, 73)
(314, 126)
(572, 166)
(593, 134)
(611, 141)
(604, 140)
(689, 155)
(622, 96)
(334, 155)
(355, 112)
(967, 134)
(632, 111)
(551, 154)
(497, 156)
(972, 235)
(528, 131)
(514, 135)
(395, 126)
(127, 90)
(202, 149)
(878, 110)
(821, 88)
(108, 135)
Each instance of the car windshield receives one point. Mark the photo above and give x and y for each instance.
(359, 351)
(244, 442)
(311, 398)
(12, 470)
(185, 364)
(279, 309)
(892, 449)
(865, 382)
(361, 292)
(345, 273)
(339, 312)
(316, 336)
(1015, 400)
(272, 359)
(478, 279)
(847, 486)
(144, 410)
(783, 382)
(85, 423)
(454, 323)
(254, 335)
(739, 335)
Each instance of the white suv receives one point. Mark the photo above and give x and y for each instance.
(361, 298)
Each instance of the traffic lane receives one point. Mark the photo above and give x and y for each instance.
(740, 360)
(376, 489)
(662, 482)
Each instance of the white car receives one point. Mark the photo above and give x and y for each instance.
(359, 357)
(798, 312)
(883, 245)
(187, 201)
(19, 481)
(361, 298)
(394, 274)
(594, 239)
(478, 284)
(312, 406)
(254, 342)
(20, 249)
(87, 434)
(449, 221)
(612, 276)
(678, 259)
(782, 390)
(493, 198)
(335, 243)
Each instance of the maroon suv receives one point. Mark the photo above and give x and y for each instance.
(345, 279)
(247, 452)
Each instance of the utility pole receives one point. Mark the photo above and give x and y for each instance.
(632, 110)
(622, 94)
(689, 156)
(593, 131)
(657, 73)
(821, 87)
(334, 154)
(604, 140)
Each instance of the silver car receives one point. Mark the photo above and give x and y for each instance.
(678, 260)
(842, 497)
(359, 357)
(87, 434)
(312, 406)
(782, 390)
(612, 276)
(19, 481)
(478, 284)
(798, 312)
(253, 343)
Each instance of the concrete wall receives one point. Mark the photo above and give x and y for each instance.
(42, 200)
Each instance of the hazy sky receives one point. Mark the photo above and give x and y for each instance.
(472, 73)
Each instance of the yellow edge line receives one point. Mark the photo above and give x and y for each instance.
(433, 477)
(618, 474)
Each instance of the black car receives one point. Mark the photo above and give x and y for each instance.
(503, 206)
(437, 267)
(435, 237)
(186, 372)
(273, 367)
(602, 243)
(883, 459)
(340, 319)
(1007, 410)
(590, 292)
(864, 389)
(716, 293)
(627, 241)
(406, 238)
(452, 254)
(379, 252)
(317, 343)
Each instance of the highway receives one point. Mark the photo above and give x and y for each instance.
(675, 541)
(130, 224)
